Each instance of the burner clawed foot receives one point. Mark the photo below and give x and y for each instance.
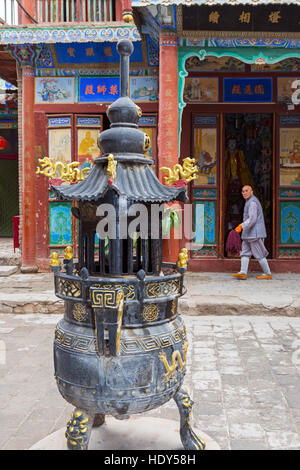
(79, 430)
(189, 439)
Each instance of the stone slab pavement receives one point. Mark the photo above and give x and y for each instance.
(207, 294)
(243, 373)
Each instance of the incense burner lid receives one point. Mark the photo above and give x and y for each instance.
(123, 111)
(121, 139)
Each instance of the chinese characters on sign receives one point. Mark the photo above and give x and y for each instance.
(269, 18)
(93, 52)
(245, 90)
(103, 89)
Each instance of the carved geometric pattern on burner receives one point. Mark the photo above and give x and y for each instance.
(163, 288)
(129, 291)
(87, 344)
(68, 288)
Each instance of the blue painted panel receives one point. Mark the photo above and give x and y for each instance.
(60, 223)
(290, 223)
(88, 121)
(93, 53)
(205, 222)
(247, 90)
(99, 89)
(205, 193)
(59, 121)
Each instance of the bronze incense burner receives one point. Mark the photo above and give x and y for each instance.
(121, 346)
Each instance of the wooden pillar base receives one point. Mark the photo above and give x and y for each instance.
(29, 269)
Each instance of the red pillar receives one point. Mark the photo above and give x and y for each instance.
(168, 120)
(30, 7)
(28, 173)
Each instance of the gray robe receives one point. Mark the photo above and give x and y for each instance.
(253, 220)
(254, 230)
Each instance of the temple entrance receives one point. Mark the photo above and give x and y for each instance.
(9, 195)
(247, 160)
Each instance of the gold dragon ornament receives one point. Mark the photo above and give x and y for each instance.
(177, 362)
(64, 171)
(187, 171)
(111, 167)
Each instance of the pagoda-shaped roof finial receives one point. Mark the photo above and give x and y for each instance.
(125, 49)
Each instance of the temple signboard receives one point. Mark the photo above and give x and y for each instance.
(247, 90)
(274, 18)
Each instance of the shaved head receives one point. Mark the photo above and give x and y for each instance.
(247, 191)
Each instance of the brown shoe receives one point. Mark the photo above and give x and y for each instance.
(239, 275)
(264, 276)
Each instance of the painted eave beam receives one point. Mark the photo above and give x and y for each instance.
(35, 34)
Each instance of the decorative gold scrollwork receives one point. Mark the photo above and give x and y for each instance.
(64, 171)
(68, 288)
(79, 312)
(162, 288)
(128, 289)
(176, 362)
(104, 298)
(188, 171)
(150, 312)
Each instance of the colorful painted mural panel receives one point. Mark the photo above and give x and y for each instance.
(54, 90)
(214, 64)
(289, 193)
(205, 223)
(289, 252)
(285, 89)
(289, 148)
(59, 145)
(144, 89)
(205, 193)
(290, 223)
(205, 153)
(87, 148)
(60, 223)
(287, 65)
(201, 90)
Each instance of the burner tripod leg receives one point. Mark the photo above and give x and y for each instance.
(79, 430)
(189, 439)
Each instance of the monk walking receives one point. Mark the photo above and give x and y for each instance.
(254, 233)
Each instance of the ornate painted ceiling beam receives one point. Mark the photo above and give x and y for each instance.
(49, 35)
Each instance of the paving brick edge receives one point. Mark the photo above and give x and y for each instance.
(189, 306)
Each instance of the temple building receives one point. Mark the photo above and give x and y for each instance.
(230, 68)
(215, 81)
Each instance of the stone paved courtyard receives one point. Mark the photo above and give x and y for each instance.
(243, 373)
